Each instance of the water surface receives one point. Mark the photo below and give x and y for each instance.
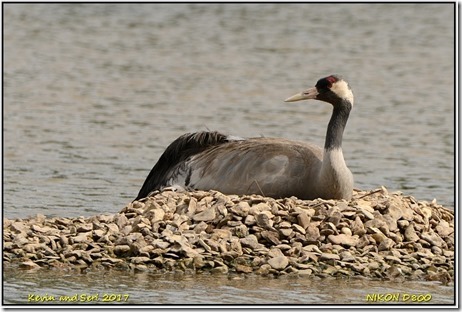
(173, 288)
(93, 93)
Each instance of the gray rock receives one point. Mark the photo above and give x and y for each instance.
(200, 227)
(365, 208)
(121, 220)
(279, 263)
(444, 229)
(258, 208)
(63, 221)
(263, 220)
(357, 227)
(305, 272)
(83, 237)
(275, 252)
(112, 228)
(394, 212)
(285, 225)
(250, 220)
(204, 230)
(386, 244)
(41, 229)
(286, 231)
(329, 256)
(391, 223)
(20, 240)
(156, 215)
(403, 224)
(345, 230)
(312, 248)
(410, 234)
(344, 240)
(241, 230)
(208, 214)
(106, 218)
(222, 269)
(271, 236)
(433, 239)
(250, 241)
(29, 265)
(241, 268)
(303, 220)
(97, 234)
(121, 250)
(312, 232)
(235, 246)
(407, 212)
(241, 209)
(264, 269)
(347, 256)
(299, 228)
(19, 227)
(376, 223)
(161, 244)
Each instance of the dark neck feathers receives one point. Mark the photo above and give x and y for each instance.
(337, 125)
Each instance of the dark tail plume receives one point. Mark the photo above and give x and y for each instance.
(178, 151)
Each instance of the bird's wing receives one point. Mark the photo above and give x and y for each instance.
(175, 155)
(271, 167)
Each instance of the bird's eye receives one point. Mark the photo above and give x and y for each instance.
(323, 84)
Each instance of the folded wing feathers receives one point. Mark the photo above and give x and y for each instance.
(178, 151)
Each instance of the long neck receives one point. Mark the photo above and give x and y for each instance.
(336, 126)
(335, 179)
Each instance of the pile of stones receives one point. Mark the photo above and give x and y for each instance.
(376, 234)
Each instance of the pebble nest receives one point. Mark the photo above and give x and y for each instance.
(376, 234)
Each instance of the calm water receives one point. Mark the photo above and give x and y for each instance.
(147, 288)
(94, 93)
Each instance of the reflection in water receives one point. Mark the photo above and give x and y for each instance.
(177, 288)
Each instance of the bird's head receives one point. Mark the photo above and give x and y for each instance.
(332, 89)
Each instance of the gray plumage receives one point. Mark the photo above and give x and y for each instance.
(268, 166)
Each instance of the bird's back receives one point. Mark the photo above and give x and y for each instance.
(267, 166)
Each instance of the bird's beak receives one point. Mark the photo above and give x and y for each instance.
(311, 93)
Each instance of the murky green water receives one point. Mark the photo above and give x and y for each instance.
(93, 93)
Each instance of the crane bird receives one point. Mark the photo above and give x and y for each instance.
(273, 167)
